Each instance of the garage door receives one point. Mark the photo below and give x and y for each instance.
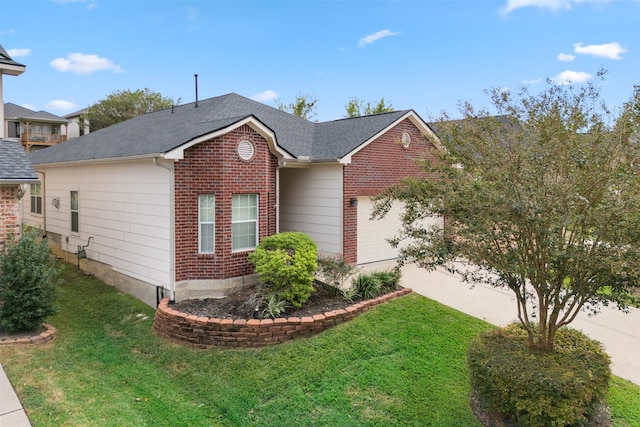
(373, 234)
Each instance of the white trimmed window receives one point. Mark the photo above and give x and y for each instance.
(244, 221)
(206, 221)
(36, 198)
(75, 213)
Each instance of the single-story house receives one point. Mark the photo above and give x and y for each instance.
(176, 199)
(15, 173)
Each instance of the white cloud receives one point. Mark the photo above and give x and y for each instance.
(568, 77)
(18, 53)
(29, 106)
(267, 95)
(544, 4)
(192, 14)
(607, 50)
(9, 31)
(566, 57)
(60, 105)
(81, 63)
(375, 37)
(532, 81)
(90, 3)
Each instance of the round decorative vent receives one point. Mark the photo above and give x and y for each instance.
(245, 150)
(406, 140)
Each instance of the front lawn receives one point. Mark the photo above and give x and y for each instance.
(401, 364)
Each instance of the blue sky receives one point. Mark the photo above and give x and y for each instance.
(422, 55)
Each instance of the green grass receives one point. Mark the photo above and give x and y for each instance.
(402, 363)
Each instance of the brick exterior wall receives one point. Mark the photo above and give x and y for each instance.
(204, 332)
(214, 167)
(379, 165)
(9, 212)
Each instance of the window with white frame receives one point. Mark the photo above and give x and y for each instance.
(36, 198)
(206, 221)
(244, 221)
(75, 212)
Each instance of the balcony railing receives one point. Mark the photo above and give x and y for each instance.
(31, 139)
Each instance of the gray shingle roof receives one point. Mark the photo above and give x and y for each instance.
(162, 131)
(14, 165)
(13, 111)
(6, 59)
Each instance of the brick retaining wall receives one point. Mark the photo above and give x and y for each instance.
(44, 337)
(204, 332)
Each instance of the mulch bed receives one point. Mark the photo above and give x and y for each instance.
(241, 304)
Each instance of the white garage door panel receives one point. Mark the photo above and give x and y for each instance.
(373, 234)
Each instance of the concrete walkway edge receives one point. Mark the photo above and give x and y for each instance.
(12, 413)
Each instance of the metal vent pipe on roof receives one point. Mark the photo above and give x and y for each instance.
(196, 76)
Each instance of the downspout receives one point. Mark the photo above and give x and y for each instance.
(172, 230)
(44, 204)
(277, 207)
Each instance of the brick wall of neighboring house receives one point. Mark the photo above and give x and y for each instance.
(9, 212)
(214, 167)
(377, 166)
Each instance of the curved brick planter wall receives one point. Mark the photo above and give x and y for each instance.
(42, 338)
(204, 332)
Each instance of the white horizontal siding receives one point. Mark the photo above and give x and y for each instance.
(124, 206)
(311, 202)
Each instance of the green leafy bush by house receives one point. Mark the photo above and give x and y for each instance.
(535, 388)
(286, 263)
(28, 282)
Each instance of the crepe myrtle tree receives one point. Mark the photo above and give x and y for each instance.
(542, 199)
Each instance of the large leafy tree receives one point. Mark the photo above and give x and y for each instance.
(357, 107)
(543, 200)
(124, 105)
(304, 106)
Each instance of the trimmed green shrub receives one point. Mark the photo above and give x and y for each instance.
(286, 262)
(28, 282)
(559, 388)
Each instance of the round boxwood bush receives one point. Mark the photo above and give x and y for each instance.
(286, 262)
(559, 388)
(28, 282)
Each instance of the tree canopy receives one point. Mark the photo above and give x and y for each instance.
(356, 107)
(304, 106)
(543, 199)
(125, 105)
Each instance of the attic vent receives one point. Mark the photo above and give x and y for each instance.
(406, 140)
(245, 150)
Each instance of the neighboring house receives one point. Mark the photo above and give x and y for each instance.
(78, 123)
(11, 68)
(15, 173)
(34, 129)
(176, 199)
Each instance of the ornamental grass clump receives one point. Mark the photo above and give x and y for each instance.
(564, 387)
(28, 282)
(286, 263)
(372, 285)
